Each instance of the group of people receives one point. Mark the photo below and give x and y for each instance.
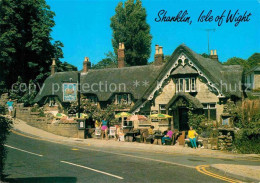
(169, 135)
(104, 128)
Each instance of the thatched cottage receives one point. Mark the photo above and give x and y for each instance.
(187, 81)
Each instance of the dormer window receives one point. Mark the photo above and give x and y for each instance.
(123, 98)
(186, 85)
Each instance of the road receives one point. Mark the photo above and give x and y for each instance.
(32, 160)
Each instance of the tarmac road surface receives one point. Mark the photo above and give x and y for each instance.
(31, 160)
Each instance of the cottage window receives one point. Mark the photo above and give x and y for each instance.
(193, 84)
(186, 84)
(162, 108)
(127, 123)
(52, 102)
(225, 121)
(210, 111)
(180, 85)
(123, 99)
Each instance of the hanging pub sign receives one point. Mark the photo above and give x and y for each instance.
(69, 92)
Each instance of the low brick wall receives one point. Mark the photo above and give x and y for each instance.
(44, 123)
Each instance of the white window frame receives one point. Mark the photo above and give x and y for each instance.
(179, 84)
(191, 85)
(185, 86)
(191, 82)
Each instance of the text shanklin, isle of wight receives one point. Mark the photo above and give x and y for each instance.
(226, 16)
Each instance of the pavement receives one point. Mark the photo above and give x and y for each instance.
(240, 169)
(247, 171)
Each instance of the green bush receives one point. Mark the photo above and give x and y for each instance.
(5, 126)
(247, 140)
(2, 109)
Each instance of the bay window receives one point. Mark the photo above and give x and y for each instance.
(186, 84)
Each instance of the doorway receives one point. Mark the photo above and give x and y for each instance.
(183, 119)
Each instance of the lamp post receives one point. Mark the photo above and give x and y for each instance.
(79, 94)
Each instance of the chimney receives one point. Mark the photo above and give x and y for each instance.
(121, 55)
(158, 57)
(53, 67)
(86, 65)
(213, 55)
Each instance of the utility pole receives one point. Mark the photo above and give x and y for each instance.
(78, 94)
(208, 30)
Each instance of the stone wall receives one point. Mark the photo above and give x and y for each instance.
(44, 123)
(167, 93)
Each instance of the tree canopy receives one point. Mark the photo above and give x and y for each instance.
(129, 26)
(26, 45)
(109, 62)
(252, 61)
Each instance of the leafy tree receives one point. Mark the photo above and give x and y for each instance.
(18, 89)
(237, 61)
(5, 126)
(254, 60)
(205, 55)
(26, 49)
(105, 63)
(23, 92)
(108, 62)
(2, 88)
(62, 67)
(129, 26)
(167, 58)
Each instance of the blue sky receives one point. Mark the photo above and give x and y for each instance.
(84, 28)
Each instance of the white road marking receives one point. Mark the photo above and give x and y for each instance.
(139, 157)
(109, 174)
(23, 150)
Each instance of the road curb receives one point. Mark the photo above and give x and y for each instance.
(126, 145)
(243, 177)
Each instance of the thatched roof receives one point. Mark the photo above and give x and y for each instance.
(184, 70)
(192, 100)
(254, 69)
(150, 74)
(121, 80)
(214, 70)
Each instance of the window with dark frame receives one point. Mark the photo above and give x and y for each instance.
(210, 111)
(123, 98)
(162, 108)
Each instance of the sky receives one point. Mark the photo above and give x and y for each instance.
(83, 26)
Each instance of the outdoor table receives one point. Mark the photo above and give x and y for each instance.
(129, 136)
(158, 139)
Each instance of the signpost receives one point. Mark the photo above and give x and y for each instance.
(69, 92)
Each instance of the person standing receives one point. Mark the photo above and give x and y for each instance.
(104, 129)
(192, 136)
(10, 106)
